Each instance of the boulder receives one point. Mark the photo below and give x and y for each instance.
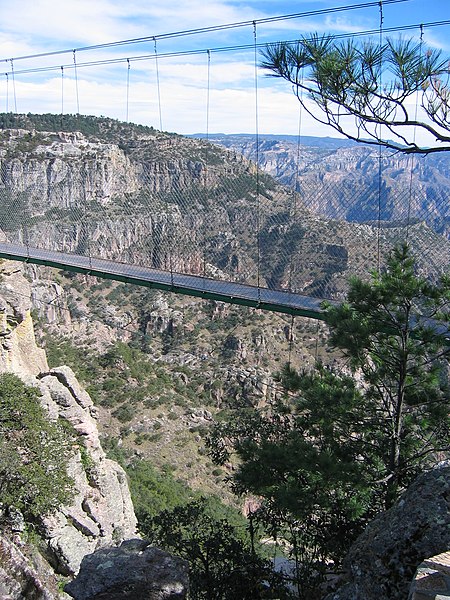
(432, 579)
(134, 570)
(382, 562)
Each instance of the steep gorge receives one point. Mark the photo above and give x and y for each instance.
(343, 180)
(146, 197)
(160, 368)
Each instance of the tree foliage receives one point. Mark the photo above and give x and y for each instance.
(103, 127)
(394, 331)
(222, 564)
(367, 91)
(342, 446)
(33, 452)
(303, 460)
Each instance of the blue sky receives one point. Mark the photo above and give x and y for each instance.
(182, 101)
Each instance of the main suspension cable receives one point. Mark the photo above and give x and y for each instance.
(217, 50)
(213, 28)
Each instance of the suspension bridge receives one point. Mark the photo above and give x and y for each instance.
(138, 205)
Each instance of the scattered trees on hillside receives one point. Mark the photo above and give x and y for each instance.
(341, 447)
(103, 127)
(370, 92)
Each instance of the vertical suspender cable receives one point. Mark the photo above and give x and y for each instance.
(76, 82)
(296, 187)
(380, 154)
(293, 218)
(291, 340)
(128, 88)
(316, 350)
(157, 87)
(258, 196)
(208, 88)
(169, 244)
(14, 86)
(62, 91)
(205, 177)
(7, 92)
(412, 157)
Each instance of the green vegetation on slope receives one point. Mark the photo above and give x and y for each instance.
(339, 449)
(34, 452)
(103, 127)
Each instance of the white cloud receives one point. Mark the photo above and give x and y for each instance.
(46, 25)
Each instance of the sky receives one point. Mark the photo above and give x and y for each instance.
(182, 83)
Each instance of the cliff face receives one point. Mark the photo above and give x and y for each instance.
(186, 205)
(101, 513)
(18, 350)
(338, 182)
(80, 195)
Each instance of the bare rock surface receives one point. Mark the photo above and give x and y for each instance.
(49, 300)
(432, 579)
(101, 512)
(18, 350)
(382, 562)
(134, 571)
(24, 576)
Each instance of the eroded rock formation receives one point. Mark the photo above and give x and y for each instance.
(101, 513)
(382, 562)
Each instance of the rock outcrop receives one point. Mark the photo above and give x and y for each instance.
(24, 575)
(101, 513)
(432, 579)
(18, 350)
(133, 571)
(382, 562)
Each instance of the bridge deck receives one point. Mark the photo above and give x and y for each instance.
(191, 285)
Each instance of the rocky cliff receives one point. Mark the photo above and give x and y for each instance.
(343, 181)
(146, 197)
(101, 513)
(382, 561)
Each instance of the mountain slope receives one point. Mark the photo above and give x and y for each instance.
(340, 179)
(145, 197)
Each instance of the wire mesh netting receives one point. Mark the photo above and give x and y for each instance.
(277, 213)
(186, 205)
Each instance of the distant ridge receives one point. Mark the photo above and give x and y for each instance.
(229, 139)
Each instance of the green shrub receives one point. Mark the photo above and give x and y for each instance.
(34, 452)
(124, 413)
